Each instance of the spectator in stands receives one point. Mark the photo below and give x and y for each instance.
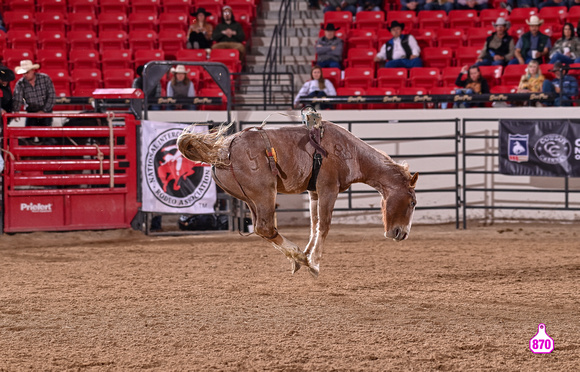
(499, 47)
(200, 31)
(180, 86)
(572, 3)
(564, 85)
(532, 79)
(512, 4)
(550, 3)
(318, 87)
(329, 48)
(472, 5)
(369, 5)
(35, 91)
(229, 34)
(473, 84)
(533, 44)
(6, 76)
(446, 5)
(567, 48)
(415, 5)
(2, 28)
(341, 5)
(153, 94)
(401, 50)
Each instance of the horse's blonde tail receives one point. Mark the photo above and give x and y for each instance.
(208, 147)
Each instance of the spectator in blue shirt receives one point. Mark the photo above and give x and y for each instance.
(564, 85)
(533, 44)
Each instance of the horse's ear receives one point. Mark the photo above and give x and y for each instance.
(414, 179)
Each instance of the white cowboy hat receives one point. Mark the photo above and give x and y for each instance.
(180, 69)
(26, 66)
(534, 21)
(500, 21)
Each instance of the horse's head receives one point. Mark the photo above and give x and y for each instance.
(398, 206)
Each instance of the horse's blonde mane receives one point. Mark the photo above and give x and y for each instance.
(209, 147)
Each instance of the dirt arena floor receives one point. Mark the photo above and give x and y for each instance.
(445, 299)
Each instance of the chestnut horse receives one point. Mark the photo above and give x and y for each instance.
(244, 170)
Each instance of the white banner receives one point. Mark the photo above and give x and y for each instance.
(170, 182)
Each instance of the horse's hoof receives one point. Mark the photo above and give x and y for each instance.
(300, 258)
(295, 266)
(313, 271)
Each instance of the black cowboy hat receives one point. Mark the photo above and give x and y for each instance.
(558, 67)
(6, 74)
(330, 27)
(396, 24)
(201, 10)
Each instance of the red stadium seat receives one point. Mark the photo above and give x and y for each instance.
(52, 58)
(505, 89)
(573, 15)
(172, 41)
(19, 21)
(172, 21)
(82, 22)
(20, 5)
(113, 6)
(229, 57)
(477, 36)
(463, 18)
(341, 19)
(406, 17)
(450, 37)
(118, 78)
(51, 21)
(52, 40)
(512, 74)
(492, 74)
(434, 19)
(145, 6)
(2, 40)
(82, 39)
(361, 57)
(358, 77)
(84, 59)
(243, 7)
(213, 92)
(467, 55)
(332, 74)
(357, 38)
(146, 55)
(143, 40)
(349, 91)
(382, 92)
(424, 77)
(546, 71)
(437, 57)
(22, 40)
(382, 37)
(517, 31)
(60, 77)
(553, 14)
(177, 6)
(518, 16)
(59, 6)
(112, 40)
(412, 91)
(449, 75)
(12, 57)
(425, 37)
(392, 77)
(143, 21)
(113, 21)
(442, 90)
(116, 58)
(85, 80)
(212, 6)
(369, 20)
(191, 55)
(489, 16)
(83, 6)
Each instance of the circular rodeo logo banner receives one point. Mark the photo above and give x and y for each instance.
(174, 181)
(553, 149)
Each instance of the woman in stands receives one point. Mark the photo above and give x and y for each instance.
(200, 31)
(318, 87)
(567, 48)
(532, 80)
(180, 86)
(473, 84)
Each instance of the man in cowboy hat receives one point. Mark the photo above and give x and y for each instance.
(401, 50)
(200, 31)
(564, 85)
(6, 76)
(533, 44)
(35, 91)
(229, 34)
(499, 47)
(329, 48)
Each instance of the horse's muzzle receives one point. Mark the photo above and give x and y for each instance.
(397, 234)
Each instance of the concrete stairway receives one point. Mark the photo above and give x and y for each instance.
(297, 56)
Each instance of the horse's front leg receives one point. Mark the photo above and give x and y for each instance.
(325, 206)
(313, 220)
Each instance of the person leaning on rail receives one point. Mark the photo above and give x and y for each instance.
(35, 91)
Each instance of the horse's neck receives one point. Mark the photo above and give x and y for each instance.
(378, 170)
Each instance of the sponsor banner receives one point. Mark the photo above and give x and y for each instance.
(539, 148)
(170, 182)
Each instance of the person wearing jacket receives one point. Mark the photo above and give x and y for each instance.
(401, 50)
(564, 85)
(498, 49)
(317, 86)
(6, 76)
(473, 84)
(329, 48)
(533, 44)
(567, 48)
(229, 34)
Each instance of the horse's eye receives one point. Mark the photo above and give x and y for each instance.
(413, 204)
